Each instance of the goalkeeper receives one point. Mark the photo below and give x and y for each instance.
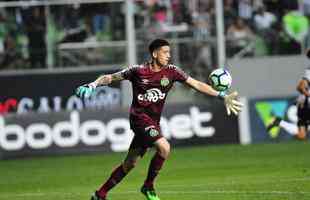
(151, 83)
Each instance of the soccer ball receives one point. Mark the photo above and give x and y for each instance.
(220, 79)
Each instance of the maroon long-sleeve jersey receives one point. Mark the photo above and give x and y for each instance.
(150, 90)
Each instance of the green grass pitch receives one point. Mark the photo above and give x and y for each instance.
(227, 172)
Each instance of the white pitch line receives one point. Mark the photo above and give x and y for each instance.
(234, 192)
(229, 182)
(233, 182)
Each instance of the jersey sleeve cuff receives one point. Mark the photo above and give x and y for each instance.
(221, 95)
(92, 85)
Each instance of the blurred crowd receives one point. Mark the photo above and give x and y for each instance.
(29, 35)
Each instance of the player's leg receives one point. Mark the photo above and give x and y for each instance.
(299, 131)
(302, 132)
(289, 127)
(274, 122)
(303, 114)
(119, 173)
(162, 153)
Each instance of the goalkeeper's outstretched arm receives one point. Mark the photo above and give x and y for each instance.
(86, 90)
(107, 79)
(230, 100)
(203, 87)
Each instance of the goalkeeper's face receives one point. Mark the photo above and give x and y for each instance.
(162, 55)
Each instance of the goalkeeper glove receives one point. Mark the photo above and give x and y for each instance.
(231, 102)
(86, 90)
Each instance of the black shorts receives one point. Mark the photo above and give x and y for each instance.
(303, 114)
(145, 137)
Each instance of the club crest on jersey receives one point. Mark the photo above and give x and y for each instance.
(152, 95)
(164, 81)
(153, 132)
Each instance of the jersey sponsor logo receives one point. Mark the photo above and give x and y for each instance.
(152, 95)
(145, 81)
(164, 81)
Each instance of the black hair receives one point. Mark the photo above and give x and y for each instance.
(157, 43)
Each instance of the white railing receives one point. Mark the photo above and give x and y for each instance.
(52, 2)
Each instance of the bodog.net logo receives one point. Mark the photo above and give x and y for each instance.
(268, 110)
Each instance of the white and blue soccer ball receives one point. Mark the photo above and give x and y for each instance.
(220, 79)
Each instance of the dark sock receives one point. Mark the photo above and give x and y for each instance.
(117, 175)
(154, 168)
